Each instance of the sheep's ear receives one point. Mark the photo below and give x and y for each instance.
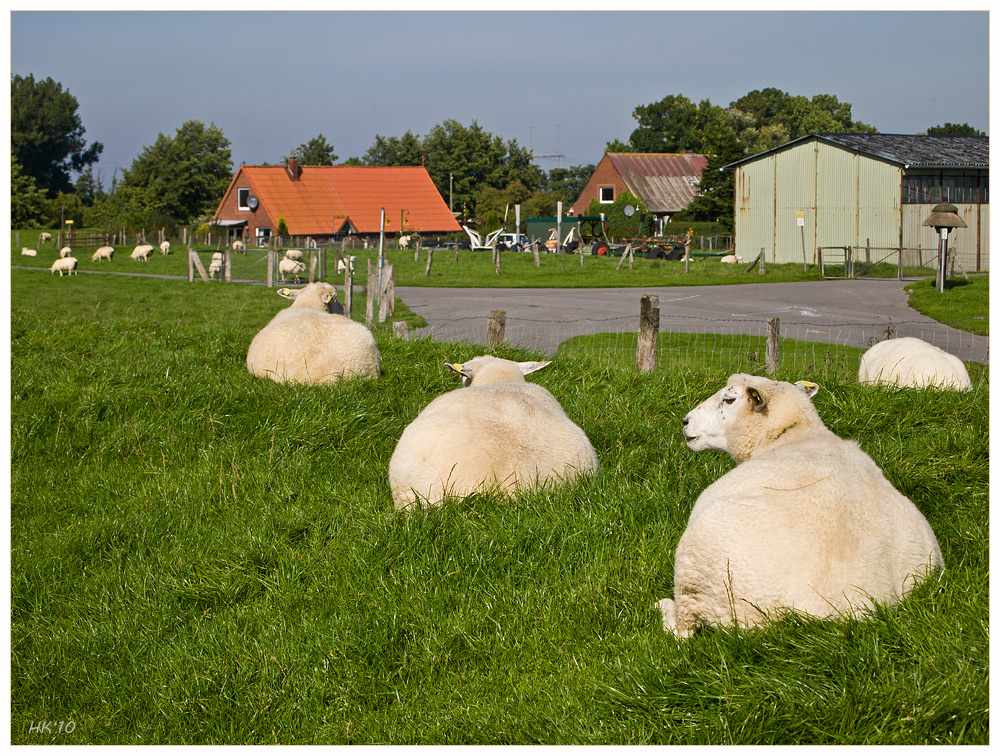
(459, 368)
(329, 296)
(758, 400)
(808, 387)
(288, 293)
(531, 367)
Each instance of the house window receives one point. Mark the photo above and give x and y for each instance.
(263, 235)
(242, 197)
(607, 195)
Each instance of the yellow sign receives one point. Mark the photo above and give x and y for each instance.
(800, 217)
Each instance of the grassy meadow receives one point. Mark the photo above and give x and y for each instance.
(200, 556)
(476, 269)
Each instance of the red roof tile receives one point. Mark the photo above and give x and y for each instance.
(324, 198)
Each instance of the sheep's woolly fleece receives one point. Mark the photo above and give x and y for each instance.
(308, 343)
(806, 520)
(498, 432)
(912, 363)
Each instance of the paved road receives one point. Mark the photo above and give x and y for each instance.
(848, 313)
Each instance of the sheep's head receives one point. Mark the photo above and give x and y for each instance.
(750, 412)
(486, 369)
(318, 296)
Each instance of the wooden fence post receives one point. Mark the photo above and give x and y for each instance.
(430, 261)
(534, 250)
(387, 296)
(348, 290)
(495, 324)
(496, 260)
(649, 328)
(761, 270)
(400, 329)
(227, 266)
(191, 256)
(371, 291)
(773, 358)
(271, 256)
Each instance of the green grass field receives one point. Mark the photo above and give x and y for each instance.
(964, 304)
(476, 269)
(199, 556)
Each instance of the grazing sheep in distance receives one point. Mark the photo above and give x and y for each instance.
(142, 252)
(43, 237)
(287, 266)
(29, 252)
(404, 241)
(346, 264)
(215, 266)
(806, 521)
(498, 432)
(103, 253)
(912, 363)
(238, 246)
(165, 247)
(65, 252)
(309, 343)
(67, 264)
(294, 254)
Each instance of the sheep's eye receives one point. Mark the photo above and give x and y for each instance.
(729, 400)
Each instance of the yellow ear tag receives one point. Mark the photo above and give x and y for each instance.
(755, 396)
(808, 384)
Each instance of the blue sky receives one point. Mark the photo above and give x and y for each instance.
(555, 81)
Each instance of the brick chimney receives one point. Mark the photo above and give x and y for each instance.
(293, 168)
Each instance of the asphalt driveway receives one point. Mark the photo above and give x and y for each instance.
(849, 313)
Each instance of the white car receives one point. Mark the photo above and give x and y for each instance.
(519, 242)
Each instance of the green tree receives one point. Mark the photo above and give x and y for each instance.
(282, 226)
(392, 151)
(46, 133)
(620, 225)
(188, 172)
(567, 183)
(955, 129)
(132, 207)
(87, 187)
(317, 151)
(27, 201)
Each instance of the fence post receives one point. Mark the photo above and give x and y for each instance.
(400, 329)
(534, 250)
(348, 289)
(190, 265)
(496, 321)
(649, 328)
(430, 261)
(227, 265)
(387, 296)
(762, 269)
(312, 265)
(370, 292)
(773, 358)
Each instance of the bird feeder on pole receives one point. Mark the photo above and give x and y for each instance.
(944, 217)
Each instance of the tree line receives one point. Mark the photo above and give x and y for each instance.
(180, 178)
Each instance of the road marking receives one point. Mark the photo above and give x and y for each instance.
(807, 312)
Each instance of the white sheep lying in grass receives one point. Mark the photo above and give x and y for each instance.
(806, 521)
(294, 254)
(43, 237)
(67, 264)
(309, 343)
(497, 432)
(912, 363)
(287, 266)
(165, 247)
(29, 252)
(730, 259)
(142, 252)
(103, 253)
(65, 252)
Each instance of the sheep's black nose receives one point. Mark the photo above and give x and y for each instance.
(684, 421)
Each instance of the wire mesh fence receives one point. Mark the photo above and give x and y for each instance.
(701, 343)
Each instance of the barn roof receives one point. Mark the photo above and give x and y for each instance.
(325, 199)
(908, 150)
(665, 182)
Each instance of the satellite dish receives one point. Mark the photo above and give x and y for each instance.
(629, 211)
(252, 202)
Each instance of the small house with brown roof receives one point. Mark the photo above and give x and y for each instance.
(664, 182)
(332, 201)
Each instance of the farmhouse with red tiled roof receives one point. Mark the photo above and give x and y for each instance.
(664, 182)
(323, 201)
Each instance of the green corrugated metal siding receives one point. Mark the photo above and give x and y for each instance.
(847, 200)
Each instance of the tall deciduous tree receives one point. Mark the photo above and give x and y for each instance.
(317, 151)
(389, 151)
(188, 172)
(27, 201)
(46, 133)
(955, 129)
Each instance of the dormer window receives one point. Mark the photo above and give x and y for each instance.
(242, 198)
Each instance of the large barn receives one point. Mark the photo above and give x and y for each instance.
(328, 202)
(866, 191)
